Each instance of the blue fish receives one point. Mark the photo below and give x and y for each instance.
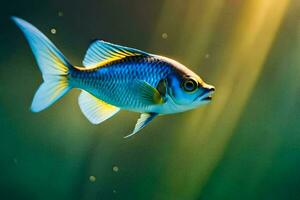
(115, 77)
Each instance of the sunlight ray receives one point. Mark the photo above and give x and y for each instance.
(241, 62)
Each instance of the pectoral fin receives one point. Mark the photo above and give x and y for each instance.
(144, 119)
(94, 109)
(148, 94)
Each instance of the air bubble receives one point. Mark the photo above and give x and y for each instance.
(92, 178)
(164, 36)
(115, 168)
(53, 30)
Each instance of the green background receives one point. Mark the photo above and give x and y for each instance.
(244, 145)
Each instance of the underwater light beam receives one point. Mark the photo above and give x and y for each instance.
(242, 60)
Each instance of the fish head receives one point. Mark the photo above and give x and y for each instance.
(187, 89)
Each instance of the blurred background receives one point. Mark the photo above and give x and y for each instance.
(244, 145)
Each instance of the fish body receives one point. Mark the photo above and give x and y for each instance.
(115, 77)
(115, 83)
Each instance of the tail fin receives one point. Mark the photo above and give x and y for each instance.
(52, 63)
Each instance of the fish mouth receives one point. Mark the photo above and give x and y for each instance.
(206, 97)
(209, 98)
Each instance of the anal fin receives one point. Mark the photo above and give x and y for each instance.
(95, 109)
(144, 119)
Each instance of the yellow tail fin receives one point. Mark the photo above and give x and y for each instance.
(53, 65)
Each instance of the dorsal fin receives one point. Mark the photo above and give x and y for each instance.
(101, 52)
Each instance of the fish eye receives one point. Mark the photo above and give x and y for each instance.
(189, 85)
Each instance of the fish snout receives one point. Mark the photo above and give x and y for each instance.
(209, 90)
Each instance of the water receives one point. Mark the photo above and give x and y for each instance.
(244, 145)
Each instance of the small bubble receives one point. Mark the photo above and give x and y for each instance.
(60, 13)
(207, 56)
(15, 161)
(164, 36)
(114, 191)
(115, 168)
(92, 178)
(53, 30)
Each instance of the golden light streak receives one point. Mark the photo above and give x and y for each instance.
(238, 69)
(201, 26)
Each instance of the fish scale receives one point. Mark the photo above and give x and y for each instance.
(113, 83)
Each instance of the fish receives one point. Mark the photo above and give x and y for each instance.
(114, 78)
